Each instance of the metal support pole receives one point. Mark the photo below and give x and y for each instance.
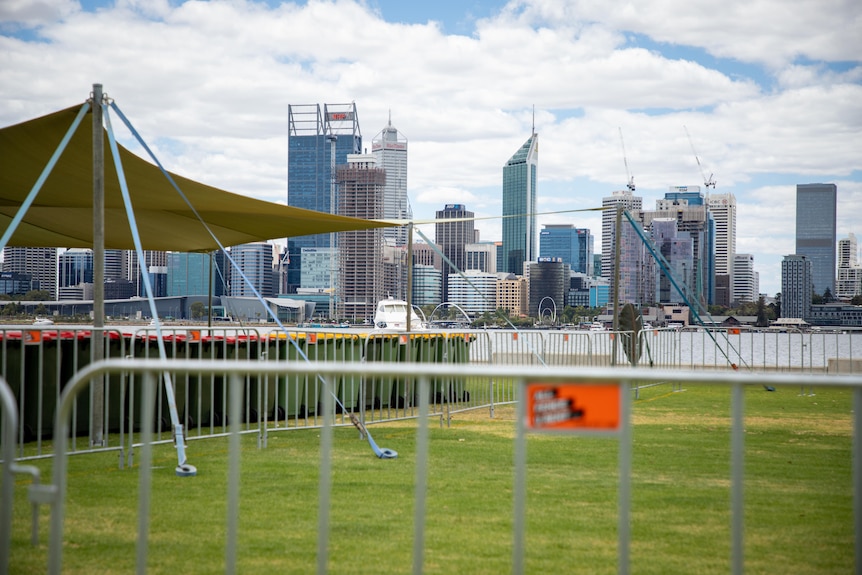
(332, 139)
(737, 480)
(617, 250)
(520, 482)
(409, 275)
(625, 479)
(98, 348)
(857, 477)
(210, 294)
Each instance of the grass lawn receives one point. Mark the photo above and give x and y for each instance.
(798, 496)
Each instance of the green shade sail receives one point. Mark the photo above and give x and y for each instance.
(62, 214)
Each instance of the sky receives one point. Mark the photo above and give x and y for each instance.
(769, 91)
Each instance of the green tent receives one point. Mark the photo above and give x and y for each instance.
(62, 214)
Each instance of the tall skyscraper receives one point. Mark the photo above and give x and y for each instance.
(746, 281)
(631, 247)
(314, 133)
(692, 217)
(677, 249)
(573, 245)
(520, 175)
(190, 274)
(816, 206)
(723, 210)
(453, 238)
(40, 263)
(116, 265)
(255, 261)
(153, 259)
(360, 270)
(389, 149)
(796, 292)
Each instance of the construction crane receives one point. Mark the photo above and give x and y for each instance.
(707, 182)
(631, 179)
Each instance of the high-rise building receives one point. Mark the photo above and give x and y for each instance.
(255, 261)
(677, 250)
(152, 259)
(360, 270)
(394, 270)
(849, 284)
(191, 274)
(318, 140)
(796, 290)
(573, 245)
(520, 176)
(40, 263)
(76, 267)
(848, 251)
(693, 217)
(389, 149)
(631, 247)
(319, 268)
(481, 256)
(512, 294)
(816, 206)
(427, 285)
(426, 255)
(116, 265)
(723, 210)
(548, 281)
(746, 281)
(474, 292)
(16, 284)
(453, 237)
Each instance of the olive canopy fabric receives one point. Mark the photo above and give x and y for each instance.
(62, 213)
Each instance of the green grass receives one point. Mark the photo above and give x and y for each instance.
(798, 496)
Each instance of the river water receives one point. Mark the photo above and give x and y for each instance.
(813, 351)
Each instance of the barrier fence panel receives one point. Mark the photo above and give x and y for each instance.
(553, 391)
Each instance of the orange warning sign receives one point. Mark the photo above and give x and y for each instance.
(571, 407)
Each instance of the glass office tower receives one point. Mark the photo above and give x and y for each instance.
(313, 132)
(519, 207)
(815, 232)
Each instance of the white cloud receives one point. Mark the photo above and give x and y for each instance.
(772, 32)
(34, 13)
(208, 85)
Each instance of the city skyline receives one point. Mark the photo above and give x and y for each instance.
(767, 108)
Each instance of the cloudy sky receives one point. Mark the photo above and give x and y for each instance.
(770, 92)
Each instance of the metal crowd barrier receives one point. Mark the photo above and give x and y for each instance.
(148, 371)
(38, 362)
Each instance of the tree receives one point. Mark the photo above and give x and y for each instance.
(197, 309)
(827, 295)
(11, 309)
(715, 309)
(762, 320)
(857, 300)
(37, 295)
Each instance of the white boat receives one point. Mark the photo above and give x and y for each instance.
(392, 314)
(43, 321)
(597, 326)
